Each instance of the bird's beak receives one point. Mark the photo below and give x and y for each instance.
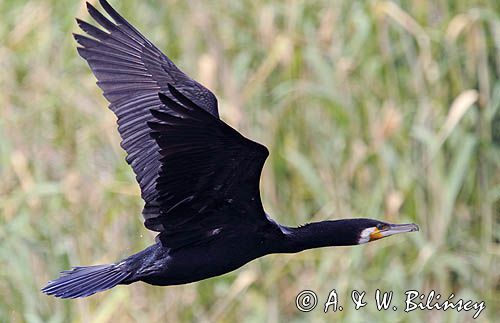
(391, 229)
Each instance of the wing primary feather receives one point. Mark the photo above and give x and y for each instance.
(99, 17)
(120, 20)
(91, 30)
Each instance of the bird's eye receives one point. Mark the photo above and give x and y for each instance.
(381, 226)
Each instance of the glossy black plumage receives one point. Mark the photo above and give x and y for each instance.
(208, 169)
(199, 177)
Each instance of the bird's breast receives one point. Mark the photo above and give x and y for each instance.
(198, 262)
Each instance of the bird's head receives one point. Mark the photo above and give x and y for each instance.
(371, 230)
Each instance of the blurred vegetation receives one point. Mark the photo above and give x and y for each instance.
(373, 108)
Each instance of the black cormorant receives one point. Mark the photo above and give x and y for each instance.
(199, 177)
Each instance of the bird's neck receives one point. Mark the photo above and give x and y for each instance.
(317, 235)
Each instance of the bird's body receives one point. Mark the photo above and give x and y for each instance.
(199, 177)
(162, 266)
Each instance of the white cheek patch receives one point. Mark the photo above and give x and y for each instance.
(364, 237)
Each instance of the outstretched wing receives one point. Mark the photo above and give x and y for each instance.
(209, 178)
(131, 71)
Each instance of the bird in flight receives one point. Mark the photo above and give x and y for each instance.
(199, 177)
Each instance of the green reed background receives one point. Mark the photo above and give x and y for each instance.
(380, 109)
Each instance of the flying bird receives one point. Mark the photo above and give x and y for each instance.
(199, 177)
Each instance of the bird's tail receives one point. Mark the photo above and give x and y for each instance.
(85, 281)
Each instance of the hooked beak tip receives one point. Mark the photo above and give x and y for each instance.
(415, 227)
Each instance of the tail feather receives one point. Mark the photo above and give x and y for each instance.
(85, 281)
